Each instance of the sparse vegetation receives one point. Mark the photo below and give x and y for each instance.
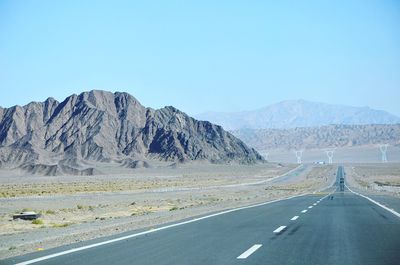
(37, 222)
(60, 225)
(320, 136)
(94, 208)
(376, 177)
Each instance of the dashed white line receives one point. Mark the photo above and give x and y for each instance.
(279, 229)
(315, 204)
(73, 250)
(304, 211)
(294, 218)
(309, 207)
(250, 251)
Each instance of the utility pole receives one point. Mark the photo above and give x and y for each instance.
(329, 154)
(383, 148)
(298, 154)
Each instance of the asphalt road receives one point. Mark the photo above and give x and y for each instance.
(342, 228)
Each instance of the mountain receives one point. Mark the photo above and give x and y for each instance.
(299, 113)
(321, 137)
(54, 137)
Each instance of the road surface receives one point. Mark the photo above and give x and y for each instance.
(327, 228)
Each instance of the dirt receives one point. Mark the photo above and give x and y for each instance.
(78, 209)
(379, 178)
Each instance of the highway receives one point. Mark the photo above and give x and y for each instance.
(328, 228)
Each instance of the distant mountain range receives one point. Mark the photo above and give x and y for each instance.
(299, 113)
(54, 137)
(330, 136)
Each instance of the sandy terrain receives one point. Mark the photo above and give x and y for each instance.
(381, 178)
(81, 208)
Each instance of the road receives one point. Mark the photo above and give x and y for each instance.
(329, 228)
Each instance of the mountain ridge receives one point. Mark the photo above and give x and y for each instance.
(54, 137)
(299, 113)
(330, 136)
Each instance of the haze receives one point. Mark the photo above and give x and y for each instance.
(279, 142)
(204, 56)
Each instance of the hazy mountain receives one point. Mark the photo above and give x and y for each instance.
(57, 138)
(299, 113)
(321, 137)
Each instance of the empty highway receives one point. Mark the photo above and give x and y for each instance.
(334, 227)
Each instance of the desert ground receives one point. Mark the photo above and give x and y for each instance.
(80, 208)
(356, 154)
(378, 178)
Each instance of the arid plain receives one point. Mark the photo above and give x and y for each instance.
(86, 207)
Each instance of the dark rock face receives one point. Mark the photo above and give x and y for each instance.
(55, 138)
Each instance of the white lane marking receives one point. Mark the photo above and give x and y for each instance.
(250, 251)
(294, 218)
(150, 231)
(373, 201)
(225, 186)
(304, 211)
(315, 204)
(309, 207)
(279, 229)
(283, 175)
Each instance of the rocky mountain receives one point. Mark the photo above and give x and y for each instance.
(321, 137)
(54, 137)
(299, 113)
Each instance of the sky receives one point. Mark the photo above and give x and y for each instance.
(203, 55)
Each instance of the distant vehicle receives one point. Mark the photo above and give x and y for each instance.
(27, 216)
(319, 162)
(341, 182)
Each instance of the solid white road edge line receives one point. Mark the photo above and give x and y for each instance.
(294, 218)
(373, 201)
(229, 185)
(279, 229)
(250, 251)
(283, 175)
(151, 231)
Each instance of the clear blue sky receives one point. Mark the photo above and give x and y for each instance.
(203, 55)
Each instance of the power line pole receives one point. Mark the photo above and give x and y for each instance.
(298, 154)
(329, 154)
(383, 148)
